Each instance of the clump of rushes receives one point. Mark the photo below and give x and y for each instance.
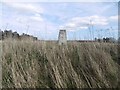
(42, 64)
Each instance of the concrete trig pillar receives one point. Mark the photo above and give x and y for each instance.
(62, 39)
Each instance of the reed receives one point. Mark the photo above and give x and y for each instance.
(41, 64)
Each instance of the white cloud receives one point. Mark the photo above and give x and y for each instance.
(37, 17)
(84, 22)
(95, 19)
(26, 20)
(61, 0)
(25, 7)
(21, 19)
(37, 22)
(71, 25)
(83, 27)
(114, 18)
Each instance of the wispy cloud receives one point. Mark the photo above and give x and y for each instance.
(61, 0)
(37, 17)
(48, 18)
(84, 22)
(27, 7)
(114, 18)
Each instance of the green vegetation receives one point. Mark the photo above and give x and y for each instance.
(40, 64)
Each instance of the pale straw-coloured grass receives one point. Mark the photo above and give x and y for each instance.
(40, 64)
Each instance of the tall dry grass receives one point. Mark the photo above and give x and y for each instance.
(40, 64)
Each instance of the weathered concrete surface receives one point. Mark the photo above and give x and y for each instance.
(62, 39)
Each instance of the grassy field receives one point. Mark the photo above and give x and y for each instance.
(39, 64)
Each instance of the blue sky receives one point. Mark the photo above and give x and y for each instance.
(82, 20)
